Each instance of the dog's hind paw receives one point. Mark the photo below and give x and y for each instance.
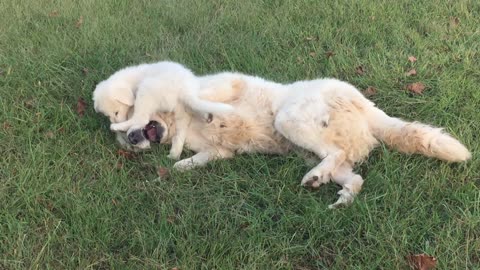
(346, 198)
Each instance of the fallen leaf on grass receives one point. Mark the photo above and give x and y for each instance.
(411, 72)
(454, 22)
(416, 88)
(163, 172)
(329, 54)
(6, 125)
(81, 105)
(79, 22)
(422, 261)
(171, 219)
(114, 202)
(360, 70)
(175, 268)
(370, 91)
(61, 130)
(412, 59)
(125, 154)
(29, 103)
(53, 13)
(312, 54)
(85, 71)
(49, 134)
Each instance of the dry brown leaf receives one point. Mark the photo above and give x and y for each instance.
(163, 172)
(329, 54)
(119, 165)
(61, 130)
(125, 154)
(85, 71)
(79, 22)
(49, 134)
(412, 59)
(360, 70)
(312, 54)
(454, 22)
(370, 91)
(411, 72)
(81, 105)
(53, 13)
(171, 219)
(422, 261)
(29, 103)
(6, 125)
(416, 88)
(175, 268)
(114, 202)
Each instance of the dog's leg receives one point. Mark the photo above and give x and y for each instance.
(351, 183)
(201, 159)
(304, 127)
(182, 121)
(323, 172)
(145, 105)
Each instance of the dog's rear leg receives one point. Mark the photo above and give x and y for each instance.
(308, 136)
(351, 183)
(324, 171)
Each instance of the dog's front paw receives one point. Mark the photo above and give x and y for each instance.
(174, 155)
(184, 165)
(346, 198)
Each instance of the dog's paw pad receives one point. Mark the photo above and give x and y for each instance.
(209, 118)
(312, 182)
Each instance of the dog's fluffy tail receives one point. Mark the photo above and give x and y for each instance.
(416, 137)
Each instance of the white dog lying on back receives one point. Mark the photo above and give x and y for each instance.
(153, 88)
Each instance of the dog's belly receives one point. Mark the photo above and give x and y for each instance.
(245, 133)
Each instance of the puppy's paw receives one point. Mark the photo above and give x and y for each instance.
(117, 127)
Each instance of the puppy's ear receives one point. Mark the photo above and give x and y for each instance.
(124, 95)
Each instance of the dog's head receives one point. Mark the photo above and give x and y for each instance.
(113, 99)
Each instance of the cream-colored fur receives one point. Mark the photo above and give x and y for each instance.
(328, 117)
(160, 87)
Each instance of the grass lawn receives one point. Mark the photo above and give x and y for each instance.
(69, 201)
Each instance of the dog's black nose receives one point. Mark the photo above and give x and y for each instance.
(135, 137)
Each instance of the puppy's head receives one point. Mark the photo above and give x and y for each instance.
(113, 99)
(156, 131)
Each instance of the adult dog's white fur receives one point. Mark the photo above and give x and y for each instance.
(151, 88)
(328, 117)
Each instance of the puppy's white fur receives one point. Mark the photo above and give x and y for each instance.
(160, 87)
(328, 117)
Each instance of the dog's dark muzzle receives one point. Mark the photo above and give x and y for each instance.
(152, 132)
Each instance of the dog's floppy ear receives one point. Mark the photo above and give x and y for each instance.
(124, 95)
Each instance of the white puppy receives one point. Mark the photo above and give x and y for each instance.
(159, 87)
